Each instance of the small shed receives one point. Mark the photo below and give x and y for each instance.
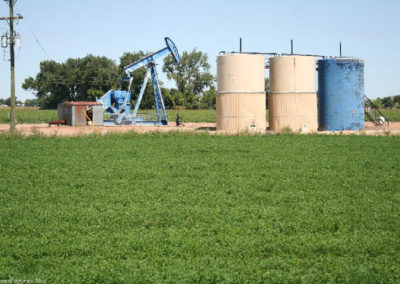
(77, 113)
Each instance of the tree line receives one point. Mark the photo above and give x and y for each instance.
(7, 102)
(386, 102)
(27, 103)
(88, 78)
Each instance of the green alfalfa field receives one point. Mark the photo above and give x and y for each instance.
(184, 208)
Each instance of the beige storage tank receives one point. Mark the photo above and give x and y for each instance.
(292, 99)
(241, 98)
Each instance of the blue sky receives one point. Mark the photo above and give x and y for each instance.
(75, 28)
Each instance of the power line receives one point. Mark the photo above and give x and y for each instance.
(38, 42)
(36, 38)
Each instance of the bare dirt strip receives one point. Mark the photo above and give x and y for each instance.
(393, 129)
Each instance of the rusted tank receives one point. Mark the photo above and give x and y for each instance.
(341, 94)
(292, 99)
(241, 93)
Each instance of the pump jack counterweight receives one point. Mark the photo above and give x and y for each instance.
(118, 102)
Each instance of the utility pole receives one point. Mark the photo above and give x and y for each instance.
(11, 19)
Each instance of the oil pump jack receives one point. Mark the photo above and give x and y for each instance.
(118, 102)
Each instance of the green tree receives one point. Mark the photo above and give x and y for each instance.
(31, 103)
(377, 102)
(388, 102)
(8, 101)
(169, 99)
(396, 100)
(209, 98)
(192, 76)
(78, 79)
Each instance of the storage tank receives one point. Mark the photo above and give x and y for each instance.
(292, 99)
(241, 98)
(341, 94)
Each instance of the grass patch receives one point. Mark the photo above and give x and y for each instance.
(198, 208)
(29, 115)
(391, 115)
(190, 115)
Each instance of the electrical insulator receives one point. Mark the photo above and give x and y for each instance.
(17, 40)
(4, 41)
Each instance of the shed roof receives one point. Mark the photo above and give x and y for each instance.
(82, 103)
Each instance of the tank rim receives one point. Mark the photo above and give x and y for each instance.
(338, 58)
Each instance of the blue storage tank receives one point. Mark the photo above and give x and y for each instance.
(341, 94)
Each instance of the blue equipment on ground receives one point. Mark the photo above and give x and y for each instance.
(118, 102)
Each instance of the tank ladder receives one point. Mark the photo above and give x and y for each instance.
(381, 120)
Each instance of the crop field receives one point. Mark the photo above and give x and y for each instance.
(34, 115)
(28, 115)
(167, 208)
(391, 115)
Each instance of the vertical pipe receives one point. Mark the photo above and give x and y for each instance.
(240, 45)
(340, 49)
(291, 46)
